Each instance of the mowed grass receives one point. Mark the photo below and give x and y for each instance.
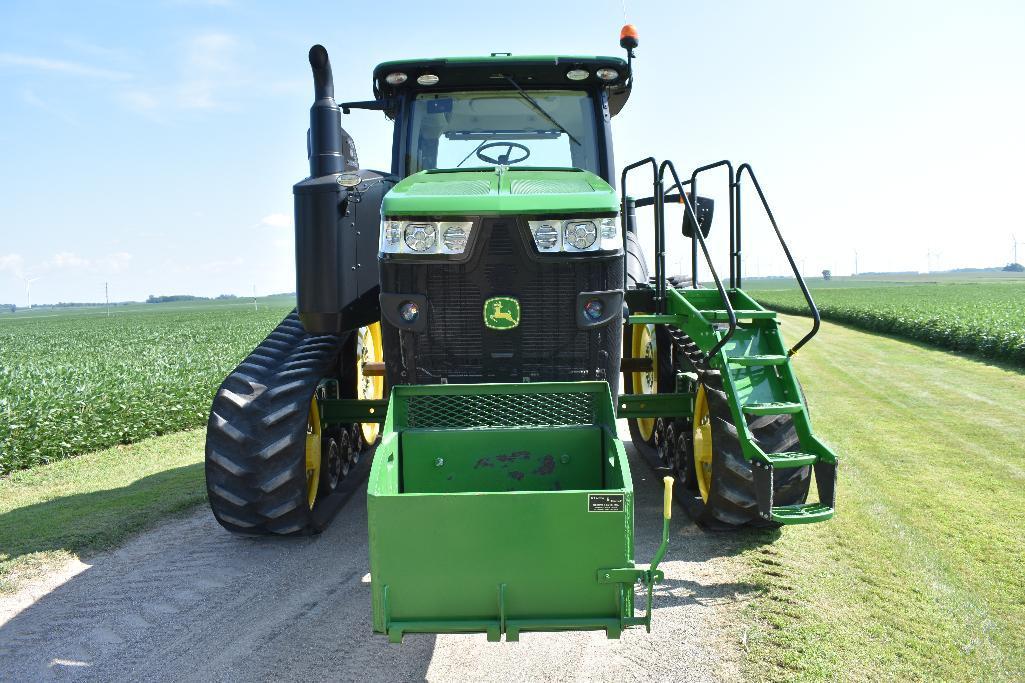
(74, 381)
(921, 575)
(71, 508)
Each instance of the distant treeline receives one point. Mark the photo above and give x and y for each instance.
(152, 299)
(11, 308)
(186, 297)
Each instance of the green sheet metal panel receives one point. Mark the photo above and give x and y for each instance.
(522, 459)
(499, 561)
(484, 192)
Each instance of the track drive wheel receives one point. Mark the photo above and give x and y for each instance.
(266, 461)
(369, 349)
(719, 486)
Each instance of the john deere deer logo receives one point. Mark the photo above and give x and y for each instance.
(501, 313)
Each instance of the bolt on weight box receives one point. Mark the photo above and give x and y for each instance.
(502, 508)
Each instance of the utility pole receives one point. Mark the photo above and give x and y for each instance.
(855, 262)
(106, 295)
(1014, 248)
(255, 307)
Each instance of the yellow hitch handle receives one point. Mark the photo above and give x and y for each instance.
(667, 499)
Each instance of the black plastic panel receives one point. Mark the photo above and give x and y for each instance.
(547, 345)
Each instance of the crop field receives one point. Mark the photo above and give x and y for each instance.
(985, 317)
(76, 381)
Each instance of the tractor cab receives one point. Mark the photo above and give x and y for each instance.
(500, 253)
(520, 112)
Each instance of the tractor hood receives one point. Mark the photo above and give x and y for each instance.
(500, 191)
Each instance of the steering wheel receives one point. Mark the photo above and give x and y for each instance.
(503, 159)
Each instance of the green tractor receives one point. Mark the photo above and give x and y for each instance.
(470, 313)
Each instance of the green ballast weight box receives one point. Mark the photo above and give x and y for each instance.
(503, 508)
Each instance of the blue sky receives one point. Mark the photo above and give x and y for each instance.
(154, 145)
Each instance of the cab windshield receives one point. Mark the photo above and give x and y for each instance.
(483, 129)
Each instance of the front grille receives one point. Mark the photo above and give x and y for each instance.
(456, 347)
(500, 410)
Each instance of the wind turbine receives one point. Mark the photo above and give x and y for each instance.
(28, 290)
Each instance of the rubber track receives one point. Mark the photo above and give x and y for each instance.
(256, 435)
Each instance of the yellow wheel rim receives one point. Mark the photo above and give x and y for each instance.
(702, 444)
(313, 444)
(643, 346)
(369, 350)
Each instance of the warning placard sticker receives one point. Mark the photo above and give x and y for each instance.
(605, 502)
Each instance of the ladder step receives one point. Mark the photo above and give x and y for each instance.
(777, 408)
(801, 514)
(756, 361)
(722, 316)
(782, 461)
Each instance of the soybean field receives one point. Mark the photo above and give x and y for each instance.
(984, 318)
(74, 381)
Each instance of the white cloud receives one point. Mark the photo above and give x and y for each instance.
(13, 263)
(210, 68)
(112, 263)
(224, 266)
(61, 66)
(210, 74)
(65, 259)
(115, 262)
(277, 220)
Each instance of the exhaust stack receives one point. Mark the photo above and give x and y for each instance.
(329, 147)
(337, 220)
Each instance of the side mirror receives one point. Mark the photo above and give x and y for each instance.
(704, 206)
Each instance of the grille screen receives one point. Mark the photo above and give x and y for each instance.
(547, 345)
(501, 410)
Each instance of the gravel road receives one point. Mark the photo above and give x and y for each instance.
(188, 601)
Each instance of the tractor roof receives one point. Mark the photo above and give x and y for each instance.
(529, 71)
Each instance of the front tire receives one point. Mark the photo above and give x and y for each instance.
(719, 488)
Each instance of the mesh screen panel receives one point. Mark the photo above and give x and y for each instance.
(501, 410)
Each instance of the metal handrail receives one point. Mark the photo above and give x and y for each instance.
(730, 313)
(786, 250)
(623, 212)
(734, 251)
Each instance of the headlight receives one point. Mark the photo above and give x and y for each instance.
(421, 237)
(425, 237)
(391, 232)
(575, 235)
(454, 238)
(546, 235)
(580, 234)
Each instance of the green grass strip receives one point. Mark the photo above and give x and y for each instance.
(919, 576)
(78, 506)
